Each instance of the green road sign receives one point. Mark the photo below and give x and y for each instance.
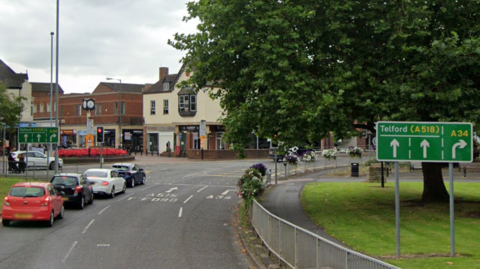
(41, 135)
(424, 141)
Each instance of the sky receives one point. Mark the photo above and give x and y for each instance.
(122, 39)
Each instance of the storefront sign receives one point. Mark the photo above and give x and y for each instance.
(191, 128)
(68, 132)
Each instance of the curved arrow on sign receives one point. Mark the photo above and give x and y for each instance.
(460, 144)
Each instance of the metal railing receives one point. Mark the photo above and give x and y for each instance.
(299, 248)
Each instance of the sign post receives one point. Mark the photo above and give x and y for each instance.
(425, 142)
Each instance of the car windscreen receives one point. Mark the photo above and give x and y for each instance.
(27, 192)
(121, 167)
(96, 174)
(62, 180)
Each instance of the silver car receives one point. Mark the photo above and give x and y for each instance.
(37, 159)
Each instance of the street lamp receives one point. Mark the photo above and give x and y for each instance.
(4, 126)
(120, 111)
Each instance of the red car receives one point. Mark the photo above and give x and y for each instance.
(32, 201)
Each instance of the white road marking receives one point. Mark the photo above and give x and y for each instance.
(86, 228)
(69, 251)
(180, 213)
(225, 192)
(172, 189)
(103, 245)
(202, 189)
(188, 199)
(125, 197)
(99, 213)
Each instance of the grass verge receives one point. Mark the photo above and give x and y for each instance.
(363, 216)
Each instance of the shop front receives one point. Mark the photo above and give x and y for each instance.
(160, 138)
(68, 138)
(133, 139)
(109, 137)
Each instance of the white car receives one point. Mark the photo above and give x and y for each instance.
(38, 159)
(106, 182)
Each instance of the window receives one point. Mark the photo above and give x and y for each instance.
(49, 108)
(121, 107)
(165, 107)
(193, 103)
(41, 108)
(166, 86)
(34, 108)
(187, 103)
(98, 109)
(152, 107)
(78, 110)
(31, 108)
(183, 103)
(54, 106)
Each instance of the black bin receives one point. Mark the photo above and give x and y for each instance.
(354, 172)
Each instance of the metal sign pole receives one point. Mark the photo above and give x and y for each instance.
(452, 217)
(397, 208)
(275, 166)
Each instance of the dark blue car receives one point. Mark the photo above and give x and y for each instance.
(132, 173)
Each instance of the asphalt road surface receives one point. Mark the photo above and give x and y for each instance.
(183, 217)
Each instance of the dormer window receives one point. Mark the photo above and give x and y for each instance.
(187, 102)
(166, 86)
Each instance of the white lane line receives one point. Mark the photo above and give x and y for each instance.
(69, 251)
(86, 228)
(188, 199)
(103, 245)
(99, 213)
(202, 189)
(180, 213)
(125, 197)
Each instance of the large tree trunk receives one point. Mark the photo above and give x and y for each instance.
(434, 189)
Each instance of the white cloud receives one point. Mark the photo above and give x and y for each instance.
(98, 39)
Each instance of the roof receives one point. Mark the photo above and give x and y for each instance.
(31, 184)
(10, 78)
(158, 87)
(125, 87)
(44, 87)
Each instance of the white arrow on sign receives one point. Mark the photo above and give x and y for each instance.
(460, 144)
(26, 137)
(394, 144)
(52, 136)
(38, 137)
(425, 145)
(172, 189)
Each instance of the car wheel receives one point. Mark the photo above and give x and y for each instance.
(5, 222)
(132, 182)
(112, 194)
(81, 205)
(143, 179)
(91, 199)
(52, 166)
(124, 187)
(51, 220)
(62, 213)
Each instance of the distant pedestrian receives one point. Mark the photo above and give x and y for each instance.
(12, 165)
(21, 163)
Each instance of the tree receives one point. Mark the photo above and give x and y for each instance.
(303, 69)
(11, 107)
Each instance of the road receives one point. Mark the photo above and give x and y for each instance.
(183, 217)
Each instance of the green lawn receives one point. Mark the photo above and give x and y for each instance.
(363, 216)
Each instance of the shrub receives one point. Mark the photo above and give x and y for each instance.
(250, 185)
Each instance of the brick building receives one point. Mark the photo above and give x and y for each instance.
(118, 108)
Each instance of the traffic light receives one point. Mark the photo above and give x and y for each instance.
(100, 134)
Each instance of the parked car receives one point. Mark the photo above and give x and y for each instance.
(32, 201)
(38, 159)
(281, 155)
(74, 188)
(132, 173)
(105, 181)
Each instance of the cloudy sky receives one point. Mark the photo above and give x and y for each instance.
(124, 39)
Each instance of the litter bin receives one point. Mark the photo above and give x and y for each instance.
(354, 170)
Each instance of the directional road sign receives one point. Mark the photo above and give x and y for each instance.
(425, 141)
(41, 135)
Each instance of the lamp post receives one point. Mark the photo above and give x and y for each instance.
(56, 81)
(4, 126)
(120, 111)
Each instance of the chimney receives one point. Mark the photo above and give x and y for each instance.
(163, 72)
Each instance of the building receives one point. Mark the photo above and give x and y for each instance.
(173, 116)
(118, 108)
(44, 106)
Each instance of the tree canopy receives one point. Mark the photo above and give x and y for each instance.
(11, 107)
(302, 69)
